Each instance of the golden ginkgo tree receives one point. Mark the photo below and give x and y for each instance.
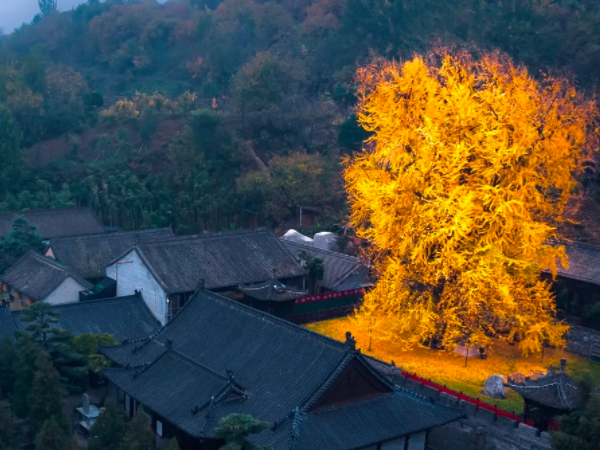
(459, 190)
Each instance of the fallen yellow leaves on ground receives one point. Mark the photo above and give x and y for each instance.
(449, 368)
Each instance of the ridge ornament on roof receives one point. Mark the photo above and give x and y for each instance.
(279, 367)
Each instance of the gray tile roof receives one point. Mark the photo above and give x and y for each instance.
(7, 324)
(89, 255)
(56, 222)
(221, 259)
(584, 263)
(254, 363)
(359, 424)
(271, 290)
(125, 318)
(37, 276)
(556, 391)
(338, 266)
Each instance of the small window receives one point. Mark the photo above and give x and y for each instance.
(159, 428)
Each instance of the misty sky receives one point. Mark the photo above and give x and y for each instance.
(14, 12)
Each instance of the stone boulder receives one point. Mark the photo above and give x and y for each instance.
(294, 236)
(494, 387)
(326, 241)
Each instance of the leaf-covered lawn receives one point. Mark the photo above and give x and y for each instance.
(448, 368)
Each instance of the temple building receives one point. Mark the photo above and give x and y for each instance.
(124, 318)
(37, 278)
(168, 272)
(219, 357)
(548, 398)
(89, 254)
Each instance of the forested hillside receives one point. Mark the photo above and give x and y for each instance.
(208, 115)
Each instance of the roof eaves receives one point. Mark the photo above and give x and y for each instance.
(459, 415)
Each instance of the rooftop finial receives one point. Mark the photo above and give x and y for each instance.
(169, 343)
(230, 376)
(563, 365)
(201, 284)
(350, 341)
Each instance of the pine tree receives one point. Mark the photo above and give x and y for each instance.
(51, 437)
(8, 359)
(41, 318)
(70, 364)
(108, 431)
(139, 435)
(22, 237)
(24, 371)
(235, 429)
(47, 7)
(45, 398)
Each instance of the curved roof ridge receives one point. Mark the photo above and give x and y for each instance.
(208, 236)
(114, 234)
(270, 317)
(198, 365)
(321, 250)
(96, 301)
(144, 367)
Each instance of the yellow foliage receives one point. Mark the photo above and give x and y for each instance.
(459, 191)
(449, 368)
(151, 103)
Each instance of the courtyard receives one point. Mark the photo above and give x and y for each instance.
(448, 368)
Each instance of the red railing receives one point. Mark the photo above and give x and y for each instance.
(329, 296)
(467, 398)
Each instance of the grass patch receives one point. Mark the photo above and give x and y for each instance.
(449, 368)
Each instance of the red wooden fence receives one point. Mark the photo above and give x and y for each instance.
(467, 398)
(329, 296)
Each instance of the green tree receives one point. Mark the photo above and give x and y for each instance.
(10, 149)
(41, 319)
(87, 346)
(259, 88)
(52, 437)
(108, 431)
(8, 359)
(47, 7)
(292, 181)
(139, 435)
(10, 138)
(7, 437)
(235, 429)
(58, 342)
(316, 270)
(22, 237)
(24, 370)
(45, 397)
(580, 430)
